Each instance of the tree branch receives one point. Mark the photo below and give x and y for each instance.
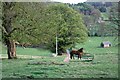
(3, 29)
(31, 29)
(31, 35)
(13, 30)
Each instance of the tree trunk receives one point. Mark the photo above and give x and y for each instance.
(11, 49)
(7, 19)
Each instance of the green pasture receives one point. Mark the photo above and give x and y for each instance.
(105, 16)
(43, 65)
(93, 45)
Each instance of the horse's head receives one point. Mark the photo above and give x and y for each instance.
(80, 50)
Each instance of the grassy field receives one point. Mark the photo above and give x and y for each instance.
(38, 63)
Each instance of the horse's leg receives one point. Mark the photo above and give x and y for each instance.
(71, 56)
(79, 57)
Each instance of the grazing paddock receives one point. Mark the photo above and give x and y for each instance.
(38, 63)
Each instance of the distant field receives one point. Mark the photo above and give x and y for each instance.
(93, 45)
(105, 16)
(104, 65)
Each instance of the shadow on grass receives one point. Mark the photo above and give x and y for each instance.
(17, 59)
(99, 47)
(75, 61)
(45, 63)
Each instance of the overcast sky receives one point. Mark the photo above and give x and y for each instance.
(63, 1)
(70, 1)
(78, 1)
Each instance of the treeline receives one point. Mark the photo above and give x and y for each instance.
(102, 6)
(85, 7)
(97, 17)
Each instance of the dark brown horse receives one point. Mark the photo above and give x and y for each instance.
(76, 52)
